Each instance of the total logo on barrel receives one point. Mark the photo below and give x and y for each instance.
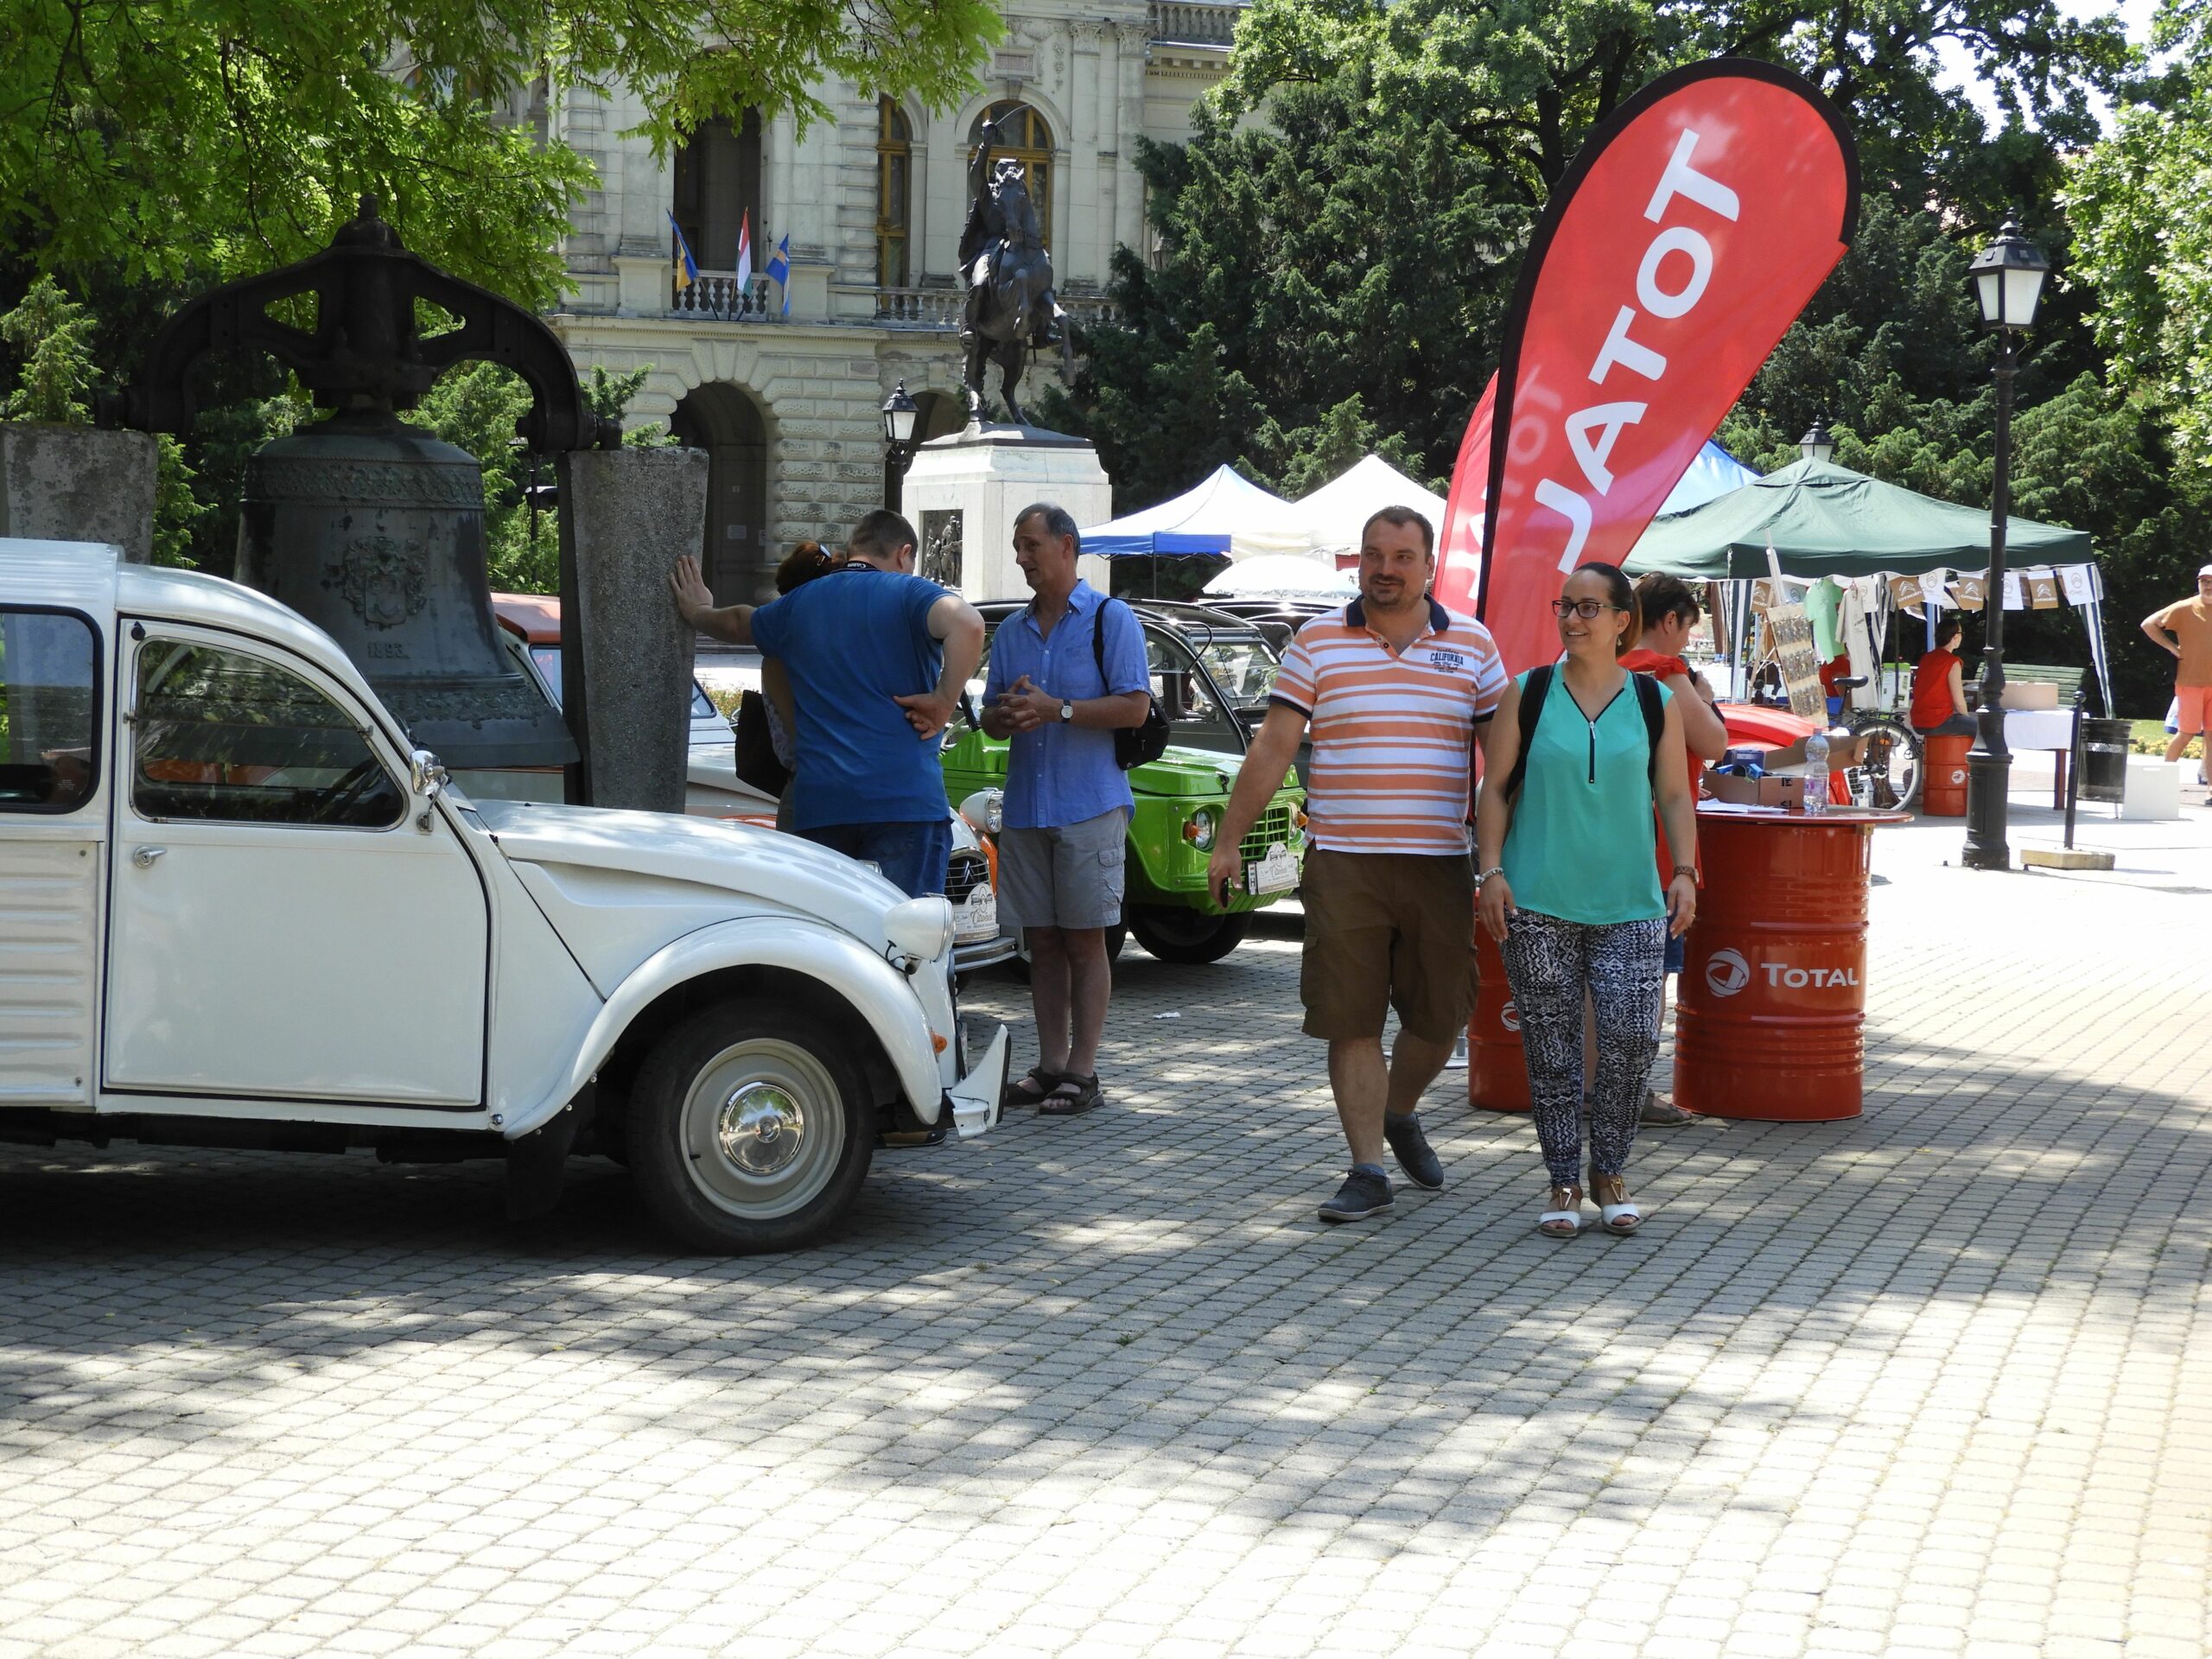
(1726, 972)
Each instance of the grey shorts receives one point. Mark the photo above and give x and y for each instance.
(1067, 876)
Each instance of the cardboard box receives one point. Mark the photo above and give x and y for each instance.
(2019, 696)
(1755, 791)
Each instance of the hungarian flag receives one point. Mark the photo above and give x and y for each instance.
(1674, 255)
(745, 254)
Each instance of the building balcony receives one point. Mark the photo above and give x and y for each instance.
(717, 294)
(938, 308)
(1196, 23)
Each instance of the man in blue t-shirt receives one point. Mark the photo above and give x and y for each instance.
(877, 658)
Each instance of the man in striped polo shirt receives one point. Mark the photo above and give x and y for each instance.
(1398, 690)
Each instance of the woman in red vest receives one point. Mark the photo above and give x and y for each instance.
(1938, 697)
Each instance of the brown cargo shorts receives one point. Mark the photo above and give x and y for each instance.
(1388, 928)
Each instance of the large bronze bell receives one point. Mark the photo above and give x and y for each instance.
(370, 528)
(374, 531)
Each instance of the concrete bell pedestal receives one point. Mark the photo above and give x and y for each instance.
(626, 516)
(963, 491)
(79, 484)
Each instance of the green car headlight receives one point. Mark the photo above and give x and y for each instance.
(1199, 829)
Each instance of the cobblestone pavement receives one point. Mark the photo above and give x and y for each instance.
(1917, 1383)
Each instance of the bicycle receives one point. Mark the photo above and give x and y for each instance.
(1888, 774)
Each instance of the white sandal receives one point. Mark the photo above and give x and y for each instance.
(1568, 1219)
(1619, 1219)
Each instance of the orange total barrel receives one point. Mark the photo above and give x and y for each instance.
(1497, 1075)
(1944, 793)
(1770, 1019)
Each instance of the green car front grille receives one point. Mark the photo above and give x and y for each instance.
(1274, 825)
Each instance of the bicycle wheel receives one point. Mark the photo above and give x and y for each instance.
(1888, 776)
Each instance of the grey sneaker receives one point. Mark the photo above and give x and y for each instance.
(1361, 1195)
(1411, 1149)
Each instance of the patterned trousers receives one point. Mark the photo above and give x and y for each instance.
(1549, 962)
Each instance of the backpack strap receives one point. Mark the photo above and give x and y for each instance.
(1535, 691)
(1655, 722)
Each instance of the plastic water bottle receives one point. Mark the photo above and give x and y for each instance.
(1816, 774)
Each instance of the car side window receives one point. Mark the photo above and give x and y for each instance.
(1166, 656)
(218, 735)
(49, 753)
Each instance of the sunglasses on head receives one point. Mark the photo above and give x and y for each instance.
(1587, 609)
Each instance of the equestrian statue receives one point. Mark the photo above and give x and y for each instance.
(1008, 276)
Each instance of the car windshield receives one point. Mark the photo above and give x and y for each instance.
(548, 658)
(1241, 665)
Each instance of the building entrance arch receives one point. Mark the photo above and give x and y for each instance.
(735, 557)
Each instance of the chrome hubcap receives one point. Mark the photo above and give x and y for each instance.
(764, 1129)
(761, 1129)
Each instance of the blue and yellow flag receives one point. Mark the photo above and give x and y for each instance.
(687, 268)
(779, 267)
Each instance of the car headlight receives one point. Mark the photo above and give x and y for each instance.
(986, 810)
(920, 927)
(1200, 828)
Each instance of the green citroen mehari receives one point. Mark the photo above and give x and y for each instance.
(1211, 682)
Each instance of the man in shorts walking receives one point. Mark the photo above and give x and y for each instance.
(2185, 629)
(1397, 690)
(1067, 672)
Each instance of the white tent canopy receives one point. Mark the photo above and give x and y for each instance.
(1283, 576)
(1338, 511)
(1712, 474)
(1224, 504)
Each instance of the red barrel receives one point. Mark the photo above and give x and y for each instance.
(1497, 1074)
(1770, 1021)
(1943, 795)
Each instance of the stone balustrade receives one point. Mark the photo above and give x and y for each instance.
(717, 294)
(1196, 23)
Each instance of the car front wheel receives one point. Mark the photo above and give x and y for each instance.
(749, 1128)
(1175, 934)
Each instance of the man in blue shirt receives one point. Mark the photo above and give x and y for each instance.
(877, 658)
(1067, 803)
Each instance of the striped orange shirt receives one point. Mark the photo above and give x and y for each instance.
(1393, 731)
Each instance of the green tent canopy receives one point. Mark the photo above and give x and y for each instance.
(1825, 520)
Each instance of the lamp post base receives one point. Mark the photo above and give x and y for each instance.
(1989, 781)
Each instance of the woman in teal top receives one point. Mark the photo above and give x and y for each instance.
(1569, 883)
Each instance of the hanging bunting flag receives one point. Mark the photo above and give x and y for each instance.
(1682, 242)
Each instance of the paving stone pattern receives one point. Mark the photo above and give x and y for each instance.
(1918, 1383)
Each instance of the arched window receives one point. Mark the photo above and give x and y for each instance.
(1024, 136)
(895, 177)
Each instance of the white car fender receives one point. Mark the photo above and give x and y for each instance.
(844, 967)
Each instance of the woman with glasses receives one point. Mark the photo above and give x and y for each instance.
(1580, 754)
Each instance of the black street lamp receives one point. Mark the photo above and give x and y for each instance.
(901, 412)
(2008, 277)
(1817, 445)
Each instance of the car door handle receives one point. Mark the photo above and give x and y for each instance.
(144, 857)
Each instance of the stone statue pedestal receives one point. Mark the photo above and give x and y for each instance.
(964, 489)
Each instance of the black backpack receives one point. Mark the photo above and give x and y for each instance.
(1537, 692)
(1132, 744)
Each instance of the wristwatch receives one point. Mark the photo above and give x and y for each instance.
(1067, 711)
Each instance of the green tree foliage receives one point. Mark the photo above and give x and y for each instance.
(52, 335)
(1349, 216)
(2143, 212)
(172, 139)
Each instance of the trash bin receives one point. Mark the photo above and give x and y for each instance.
(1770, 1017)
(2104, 760)
(1497, 1072)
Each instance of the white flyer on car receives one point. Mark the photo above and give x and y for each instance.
(978, 914)
(1276, 872)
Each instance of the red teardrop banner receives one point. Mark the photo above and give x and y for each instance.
(1676, 252)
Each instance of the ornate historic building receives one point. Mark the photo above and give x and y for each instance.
(872, 200)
